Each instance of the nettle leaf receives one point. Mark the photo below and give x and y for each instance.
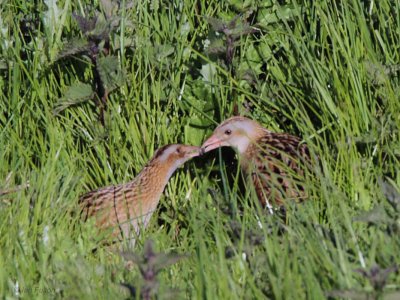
(73, 47)
(163, 51)
(3, 64)
(75, 94)
(110, 72)
(377, 276)
(288, 12)
(245, 6)
(101, 29)
(163, 260)
(108, 8)
(85, 24)
(270, 15)
(114, 22)
(351, 294)
(208, 71)
(380, 73)
(148, 250)
(217, 24)
(391, 193)
(52, 16)
(130, 256)
(217, 46)
(234, 28)
(242, 29)
(232, 23)
(377, 215)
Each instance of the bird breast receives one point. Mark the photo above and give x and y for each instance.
(126, 207)
(274, 164)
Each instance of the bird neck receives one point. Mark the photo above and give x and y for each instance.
(246, 141)
(154, 177)
(261, 132)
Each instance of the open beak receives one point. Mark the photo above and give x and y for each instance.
(212, 143)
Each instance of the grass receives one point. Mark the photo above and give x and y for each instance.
(326, 71)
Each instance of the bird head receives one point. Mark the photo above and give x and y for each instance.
(236, 132)
(171, 157)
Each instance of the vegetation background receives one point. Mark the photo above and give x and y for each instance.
(89, 89)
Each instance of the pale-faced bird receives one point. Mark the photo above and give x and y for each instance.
(274, 162)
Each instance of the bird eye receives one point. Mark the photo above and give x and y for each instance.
(228, 132)
(178, 150)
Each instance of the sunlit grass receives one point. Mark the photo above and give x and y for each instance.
(326, 71)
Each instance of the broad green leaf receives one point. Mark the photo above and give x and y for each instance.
(75, 94)
(85, 24)
(391, 193)
(217, 46)
(351, 294)
(163, 51)
(101, 29)
(108, 7)
(110, 72)
(377, 215)
(75, 46)
(208, 71)
(3, 64)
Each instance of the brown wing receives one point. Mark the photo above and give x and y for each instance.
(275, 164)
(111, 206)
(125, 208)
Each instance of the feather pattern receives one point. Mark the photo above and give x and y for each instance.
(127, 208)
(274, 162)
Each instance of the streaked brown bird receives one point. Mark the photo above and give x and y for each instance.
(274, 162)
(127, 208)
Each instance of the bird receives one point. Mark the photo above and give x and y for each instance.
(274, 162)
(126, 209)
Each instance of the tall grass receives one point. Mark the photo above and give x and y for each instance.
(327, 71)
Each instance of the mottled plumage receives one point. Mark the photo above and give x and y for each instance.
(274, 161)
(126, 208)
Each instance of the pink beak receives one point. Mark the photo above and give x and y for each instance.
(211, 143)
